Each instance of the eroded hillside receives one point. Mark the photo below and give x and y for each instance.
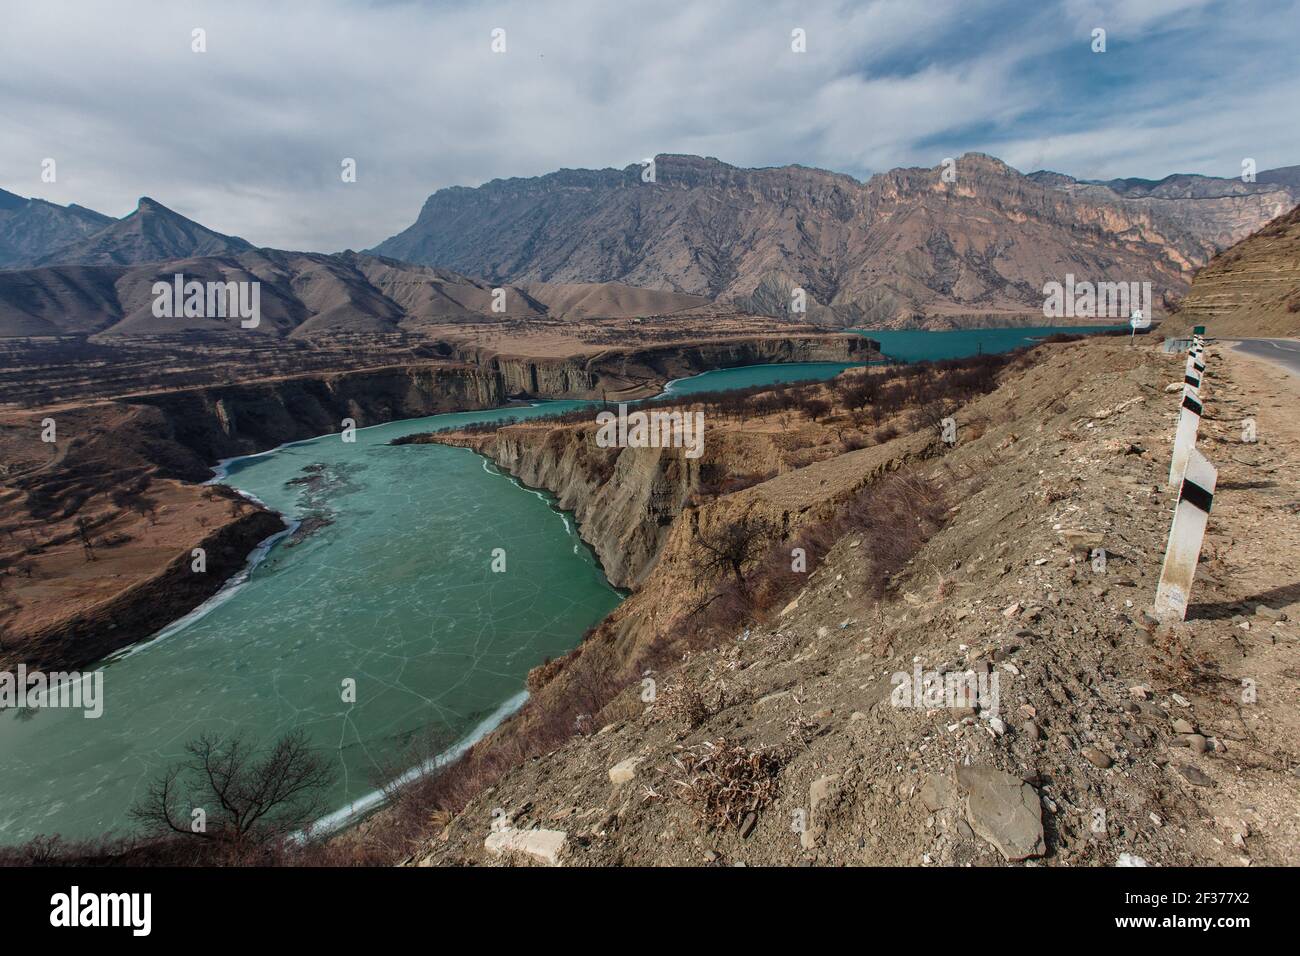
(783, 740)
(1251, 289)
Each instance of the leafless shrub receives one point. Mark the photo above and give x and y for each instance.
(800, 729)
(685, 703)
(723, 781)
(1055, 491)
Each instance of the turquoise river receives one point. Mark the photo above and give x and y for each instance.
(386, 585)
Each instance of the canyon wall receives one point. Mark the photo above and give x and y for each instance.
(231, 420)
(632, 373)
(624, 499)
(225, 421)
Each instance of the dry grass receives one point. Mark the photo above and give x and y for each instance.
(723, 781)
(683, 702)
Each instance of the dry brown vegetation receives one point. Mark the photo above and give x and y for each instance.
(723, 781)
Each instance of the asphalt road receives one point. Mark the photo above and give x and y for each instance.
(1285, 352)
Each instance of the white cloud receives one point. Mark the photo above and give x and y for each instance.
(248, 137)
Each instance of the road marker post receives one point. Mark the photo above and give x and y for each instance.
(1186, 535)
(1189, 422)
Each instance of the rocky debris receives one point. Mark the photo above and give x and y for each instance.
(1196, 776)
(543, 845)
(1097, 758)
(624, 771)
(1004, 810)
(820, 790)
(937, 793)
(1081, 543)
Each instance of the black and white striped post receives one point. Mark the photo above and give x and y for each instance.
(1186, 534)
(1189, 423)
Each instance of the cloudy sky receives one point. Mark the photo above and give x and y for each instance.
(249, 136)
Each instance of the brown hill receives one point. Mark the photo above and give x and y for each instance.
(1251, 289)
(904, 247)
(583, 300)
(301, 294)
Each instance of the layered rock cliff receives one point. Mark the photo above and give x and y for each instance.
(1251, 289)
(624, 500)
(218, 422)
(227, 421)
(639, 372)
(908, 246)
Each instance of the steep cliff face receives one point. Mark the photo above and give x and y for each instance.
(215, 423)
(640, 372)
(908, 245)
(624, 499)
(227, 421)
(634, 507)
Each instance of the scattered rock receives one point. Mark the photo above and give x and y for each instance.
(1196, 776)
(624, 770)
(817, 793)
(937, 792)
(1097, 758)
(544, 845)
(1003, 810)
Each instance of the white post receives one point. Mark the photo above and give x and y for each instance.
(1191, 513)
(1189, 421)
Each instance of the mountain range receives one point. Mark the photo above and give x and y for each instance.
(32, 228)
(36, 233)
(301, 294)
(904, 246)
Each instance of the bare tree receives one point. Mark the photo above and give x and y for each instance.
(244, 798)
(83, 532)
(729, 548)
(146, 507)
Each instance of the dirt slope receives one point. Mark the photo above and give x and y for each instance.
(1250, 290)
(1110, 736)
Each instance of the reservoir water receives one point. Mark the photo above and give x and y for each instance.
(909, 345)
(387, 582)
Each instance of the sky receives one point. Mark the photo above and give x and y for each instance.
(249, 137)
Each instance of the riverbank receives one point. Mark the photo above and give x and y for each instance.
(124, 473)
(780, 464)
